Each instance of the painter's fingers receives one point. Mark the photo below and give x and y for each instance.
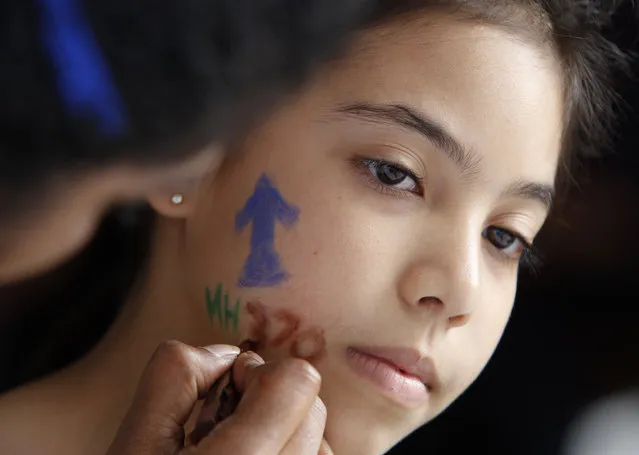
(224, 396)
(175, 378)
(325, 449)
(308, 438)
(277, 398)
(248, 367)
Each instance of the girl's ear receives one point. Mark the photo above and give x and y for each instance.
(174, 204)
(180, 199)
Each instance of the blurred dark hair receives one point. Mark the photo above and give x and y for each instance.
(186, 72)
(573, 30)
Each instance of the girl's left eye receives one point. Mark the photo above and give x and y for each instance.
(510, 245)
(393, 176)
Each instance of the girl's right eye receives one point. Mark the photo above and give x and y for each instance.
(392, 178)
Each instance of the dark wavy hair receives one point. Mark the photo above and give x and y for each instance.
(96, 283)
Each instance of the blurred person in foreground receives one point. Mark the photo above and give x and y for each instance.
(106, 102)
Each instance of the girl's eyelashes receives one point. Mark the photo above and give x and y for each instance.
(390, 178)
(531, 259)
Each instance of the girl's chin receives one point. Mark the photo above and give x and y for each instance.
(353, 429)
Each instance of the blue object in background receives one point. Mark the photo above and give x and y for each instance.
(83, 77)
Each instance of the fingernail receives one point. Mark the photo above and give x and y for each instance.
(252, 358)
(223, 350)
(230, 356)
(312, 371)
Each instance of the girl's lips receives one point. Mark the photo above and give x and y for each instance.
(403, 375)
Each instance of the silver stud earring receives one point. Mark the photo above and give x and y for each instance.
(177, 199)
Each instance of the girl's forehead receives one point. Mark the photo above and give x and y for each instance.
(459, 59)
(497, 95)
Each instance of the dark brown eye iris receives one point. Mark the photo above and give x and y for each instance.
(390, 175)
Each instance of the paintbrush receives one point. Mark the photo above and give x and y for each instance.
(221, 401)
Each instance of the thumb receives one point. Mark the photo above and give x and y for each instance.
(175, 378)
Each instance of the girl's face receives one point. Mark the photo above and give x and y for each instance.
(375, 224)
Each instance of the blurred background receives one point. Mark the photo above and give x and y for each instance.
(564, 380)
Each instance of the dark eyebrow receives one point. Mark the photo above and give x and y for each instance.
(539, 192)
(406, 117)
(463, 157)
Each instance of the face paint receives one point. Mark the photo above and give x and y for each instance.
(270, 328)
(265, 206)
(308, 344)
(214, 309)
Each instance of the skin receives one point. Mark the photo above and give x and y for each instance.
(71, 207)
(370, 264)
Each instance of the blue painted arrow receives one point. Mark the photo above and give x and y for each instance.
(265, 206)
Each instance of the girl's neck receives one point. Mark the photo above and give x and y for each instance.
(99, 387)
